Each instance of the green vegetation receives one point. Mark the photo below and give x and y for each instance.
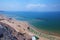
(37, 34)
(36, 37)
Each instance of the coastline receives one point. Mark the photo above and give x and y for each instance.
(21, 26)
(45, 34)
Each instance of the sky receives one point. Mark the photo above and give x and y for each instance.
(30, 5)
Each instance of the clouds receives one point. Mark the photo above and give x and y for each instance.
(16, 6)
(35, 5)
(43, 7)
(30, 5)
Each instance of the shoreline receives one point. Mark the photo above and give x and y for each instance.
(21, 26)
(46, 32)
(43, 31)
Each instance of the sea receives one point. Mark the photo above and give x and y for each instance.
(47, 21)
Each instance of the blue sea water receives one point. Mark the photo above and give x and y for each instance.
(49, 21)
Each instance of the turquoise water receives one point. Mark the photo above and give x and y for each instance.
(49, 21)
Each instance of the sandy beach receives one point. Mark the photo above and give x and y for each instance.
(22, 27)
